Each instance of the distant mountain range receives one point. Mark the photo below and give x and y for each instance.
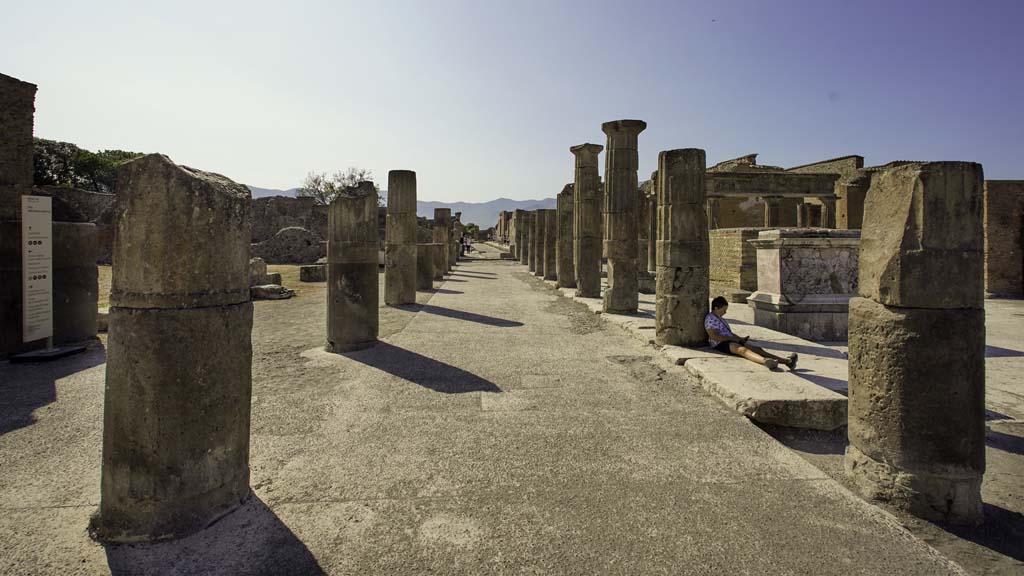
(483, 214)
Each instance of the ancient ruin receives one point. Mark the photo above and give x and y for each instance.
(917, 414)
(424, 267)
(682, 249)
(566, 274)
(353, 294)
(620, 206)
(587, 206)
(550, 251)
(400, 247)
(178, 379)
(442, 236)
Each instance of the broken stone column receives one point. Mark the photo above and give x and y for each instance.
(620, 215)
(563, 252)
(917, 343)
(400, 245)
(437, 249)
(683, 252)
(586, 214)
(442, 235)
(353, 292)
(179, 358)
(424, 266)
(551, 244)
(539, 228)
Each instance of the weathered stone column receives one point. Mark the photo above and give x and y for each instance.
(551, 244)
(515, 231)
(772, 216)
(179, 358)
(652, 224)
(586, 214)
(353, 292)
(526, 220)
(424, 266)
(442, 234)
(714, 207)
(400, 243)
(917, 343)
(563, 252)
(437, 249)
(850, 200)
(645, 280)
(803, 215)
(620, 198)
(540, 222)
(828, 212)
(683, 251)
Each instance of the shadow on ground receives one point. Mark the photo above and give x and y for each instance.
(251, 540)
(469, 316)
(20, 395)
(421, 370)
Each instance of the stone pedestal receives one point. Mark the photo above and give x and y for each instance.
(178, 380)
(550, 245)
(681, 300)
(353, 294)
(400, 241)
(587, 206)
(620, 215)
(424, 266)
(805, 279)
(917, 343)
(540, 224)
(563, 252)
(442, 235)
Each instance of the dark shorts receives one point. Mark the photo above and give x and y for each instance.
(723, 346)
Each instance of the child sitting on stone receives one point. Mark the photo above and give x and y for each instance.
(721, 338)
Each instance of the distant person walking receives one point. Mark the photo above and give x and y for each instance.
(721, 338)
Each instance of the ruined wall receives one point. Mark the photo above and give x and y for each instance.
(1004, 239)
(733, 259)
(274, 213)
(846, 166)
(76, 205)
(738, 212)
(17, 111)
(849, 198)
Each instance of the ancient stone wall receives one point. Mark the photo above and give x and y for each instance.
(733, 258)
(846, 166)
(1004, 238)
(76, 205)
(292, 245)
(271, 214)
(738, 213)
(17, 112)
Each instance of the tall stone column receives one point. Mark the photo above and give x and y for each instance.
(353, 292)
(551, 244)
(524, 238)
(643, 217)
(713, 208)
(424, 266)
(652, 225)
(179, 357)
(683, 251)
(400, 243)
(563, 252)
(772, 207)
(539, 228)
(515, 229)
(828, 212)
(917, 343)
(440, 259)
(803, 216)
(442, 234)
(531, 255)
(850, 210)
(586, 214)
(620, 210)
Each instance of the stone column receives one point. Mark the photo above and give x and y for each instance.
(440, 258)
(803, 215)
(551, 244)
(772, 206)
(442, 234)
(713, 209)
(424, 266)
(400, 244)
(564, 268)
(652, 225)
(917, 343)
(850, 209)
(620, 243)
(515, 227)
(683, 251)
(525, 219)
(828, 212)
(586, 214)
(646, 281)
(353, 292)
(542, 238)
(179, 359)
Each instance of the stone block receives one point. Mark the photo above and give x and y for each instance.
(291, 245)
(923, 221)
(681, 305)
(917, 405)
(1004, 237)
(270, 292)
(313, 273)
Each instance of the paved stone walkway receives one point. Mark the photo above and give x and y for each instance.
(498, 428)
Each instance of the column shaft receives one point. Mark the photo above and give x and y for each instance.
(587, 205)
(400, 241)
(353, 292)
(620, 215)
(564, 256)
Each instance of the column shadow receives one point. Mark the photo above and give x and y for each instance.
(997, 352)
(469, 316)
(421, 370)
(1002, 531)
(250, 540)
(27, 387)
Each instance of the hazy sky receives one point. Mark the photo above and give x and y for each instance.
(483, 98)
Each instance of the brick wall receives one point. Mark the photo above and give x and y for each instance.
(1004, 240)
(733, 259)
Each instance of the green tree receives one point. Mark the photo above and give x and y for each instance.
(64, 164)
(324, 189)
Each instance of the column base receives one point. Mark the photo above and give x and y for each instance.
(950, 495)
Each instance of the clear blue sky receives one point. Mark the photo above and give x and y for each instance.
(483, 98)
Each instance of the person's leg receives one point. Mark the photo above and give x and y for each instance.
(788, 361)
(746, 352)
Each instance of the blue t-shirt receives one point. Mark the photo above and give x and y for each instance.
(711, 321)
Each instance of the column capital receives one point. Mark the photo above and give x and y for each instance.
(618, 127)
(586, 150)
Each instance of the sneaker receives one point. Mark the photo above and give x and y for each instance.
(771, 363)
(792, 361)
